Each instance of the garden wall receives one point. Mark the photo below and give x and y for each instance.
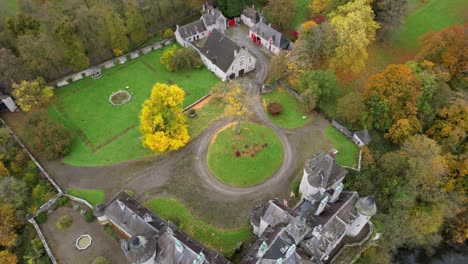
(111, 63)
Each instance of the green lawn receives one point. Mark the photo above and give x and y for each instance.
(433, 15)
(292, 114)
(93, 196)
(107, 134)
(245, 170)
(223, 240)
(8, 7)
(347, 150)
(206, 115)
(302, 11)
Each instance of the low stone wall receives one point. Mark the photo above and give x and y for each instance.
(111, 63)
(76, 199)
(44, 242)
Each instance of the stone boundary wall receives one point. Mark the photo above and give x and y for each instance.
(111, 63)
(196, 102)
(44, 242)
(76, 199)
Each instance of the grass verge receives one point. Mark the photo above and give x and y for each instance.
(246, 159)
(225, 241)
(292, 114)
(347, 150)
(93, 196)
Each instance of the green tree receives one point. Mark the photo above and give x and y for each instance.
(350, 108)
(309, 99)
(71, 44)
(32, 94)
(234, 8)
(186, 59)
(46, 136)
(162, 122)
(276, 68)
(117, 30)
(135, 22)
(323, 83)
(355, 30)
(13, 191)
(23, 24)
(281, 12)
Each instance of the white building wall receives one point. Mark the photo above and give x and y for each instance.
(213, 68)
(266, 43)
(247, 21)
(243, 61)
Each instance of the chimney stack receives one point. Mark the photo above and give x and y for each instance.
(235, 53)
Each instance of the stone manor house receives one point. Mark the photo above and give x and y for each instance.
(221, 55)
(325, 220)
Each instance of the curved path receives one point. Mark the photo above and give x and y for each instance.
(203, 143)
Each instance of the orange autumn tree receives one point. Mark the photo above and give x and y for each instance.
(393, 95)
(446, 49)
(162, 122)
(8, 258)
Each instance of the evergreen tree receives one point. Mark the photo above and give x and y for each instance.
(234, 8)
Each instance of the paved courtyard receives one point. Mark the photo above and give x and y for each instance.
(62, 242)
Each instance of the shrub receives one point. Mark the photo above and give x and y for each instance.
(61, 201)
(167, 57)
(275, 109)
(89, 217)
(101, 260)
(46, 136)
(168, 33)
(186, 59)
(41, 218)
(64, 222)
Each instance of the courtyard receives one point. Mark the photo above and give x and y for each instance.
(62, 242)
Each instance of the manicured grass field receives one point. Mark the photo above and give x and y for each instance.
(302, 11)
(347, 150)
(107, 134)
(224, 241)
(432, 15)
(292, 114)
(93, 196)
(255, 164)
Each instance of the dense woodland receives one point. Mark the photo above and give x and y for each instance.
(416, 111)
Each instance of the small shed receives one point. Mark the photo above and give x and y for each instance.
(7, 103)
(362, 138)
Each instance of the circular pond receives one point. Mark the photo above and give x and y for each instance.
(120, 98)
(83, 242)
(246, 159)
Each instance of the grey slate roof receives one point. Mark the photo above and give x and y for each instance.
(252, 14)
(129, 214)
(219, 49)
(137, 220)
(364, 136)
(323, 171)
(267, 32)
(141, 248)
(192, 29)
(211, 14)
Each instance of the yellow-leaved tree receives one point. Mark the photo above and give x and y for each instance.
(32, 94)
(237, 101)
(355, 29)
(162, 122)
